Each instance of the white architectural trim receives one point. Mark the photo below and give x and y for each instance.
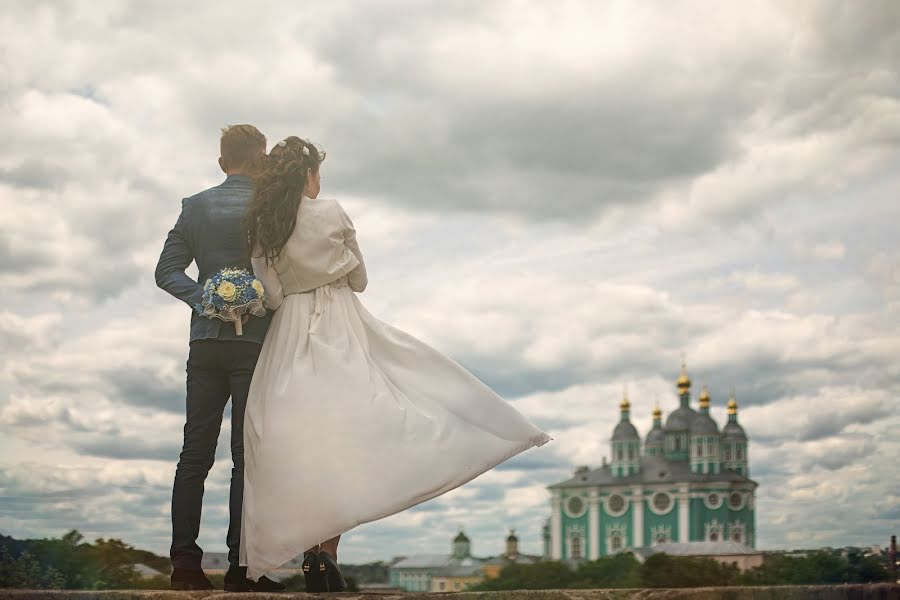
(737, 527)
(684, 522)
(593, 534)
(652, 506)
(743, 500)
(612, 513)
(714, 505)
(637, 520)
(575, 530)
(657, 531)
(584, 506)
(714, 527)
(556, 526)
(616, 529)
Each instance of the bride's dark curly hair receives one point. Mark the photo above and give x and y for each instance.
(272, 213)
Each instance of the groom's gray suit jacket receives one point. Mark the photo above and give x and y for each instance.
(209, 231)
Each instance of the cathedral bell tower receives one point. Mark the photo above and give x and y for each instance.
(734, 442)
(626, 444)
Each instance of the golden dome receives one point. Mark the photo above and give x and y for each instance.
(625, 404)
(657, 413)
(732, 405)
(704, 398)
(684, 382)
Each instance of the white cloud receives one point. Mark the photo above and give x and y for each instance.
(828, 250)
(766, 282)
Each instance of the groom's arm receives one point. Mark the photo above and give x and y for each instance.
(177, 256)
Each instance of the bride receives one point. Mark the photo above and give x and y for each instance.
(348, 419)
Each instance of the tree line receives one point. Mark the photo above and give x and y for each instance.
(71, 563)
(820, 567)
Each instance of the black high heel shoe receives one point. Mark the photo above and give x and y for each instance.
(314, 573)
(335, 579)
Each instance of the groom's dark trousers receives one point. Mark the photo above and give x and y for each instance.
(220, 363)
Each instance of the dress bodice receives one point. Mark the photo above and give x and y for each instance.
(322, 249)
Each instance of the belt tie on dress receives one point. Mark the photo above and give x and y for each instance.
(323, 296)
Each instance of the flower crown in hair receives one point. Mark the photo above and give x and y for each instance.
(305, 150)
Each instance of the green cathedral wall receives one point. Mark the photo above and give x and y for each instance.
(652, 520)
(568, 522)
(624, 520)
(701, 514)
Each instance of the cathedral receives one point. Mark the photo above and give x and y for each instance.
(689, 481)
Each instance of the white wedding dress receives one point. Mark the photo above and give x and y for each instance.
(348, 419)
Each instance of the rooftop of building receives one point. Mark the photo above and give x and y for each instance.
(519, 559)
(436, 561)
(654, 469)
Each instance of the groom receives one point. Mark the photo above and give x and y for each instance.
(220, 363)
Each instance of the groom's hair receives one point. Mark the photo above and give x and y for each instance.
(241, 145)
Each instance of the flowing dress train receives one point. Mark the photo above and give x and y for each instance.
(349, 419)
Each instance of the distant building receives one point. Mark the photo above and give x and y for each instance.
(512, 556)
(214, 563)
(728, 553)
(455, 571)
(147, 572)
(456, 579)
(687, 482)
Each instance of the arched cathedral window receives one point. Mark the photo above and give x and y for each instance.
(661, 534)
(576, 546)
(713, 531)
(615, 537)
(737, 532)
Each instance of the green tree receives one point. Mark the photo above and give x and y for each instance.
(115, 565)
(664, 571)
(866, 569)
(820, 567)
(617, 571)
(69, 562)
(26, 571)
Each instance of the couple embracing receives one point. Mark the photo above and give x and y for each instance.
(338, 418)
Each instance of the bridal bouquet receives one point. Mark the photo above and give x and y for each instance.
(229, 294)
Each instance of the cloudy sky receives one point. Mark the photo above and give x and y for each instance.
(565, 197)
